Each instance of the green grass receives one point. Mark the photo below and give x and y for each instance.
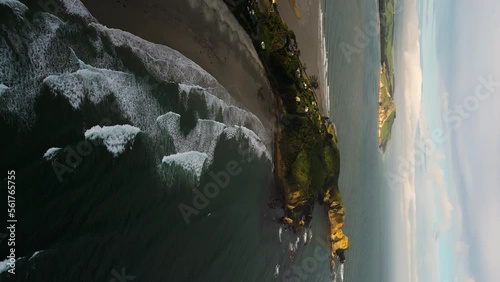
(266, 37)
(386, 130)
(386, 93)
(386, 38)
(310, 159)
(301, 169)
(386, 10)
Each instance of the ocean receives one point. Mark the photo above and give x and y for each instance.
(353, 70)
(134, 164)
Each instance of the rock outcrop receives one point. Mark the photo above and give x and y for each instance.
(336, 214)
(386, 109)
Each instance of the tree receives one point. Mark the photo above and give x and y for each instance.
(313, 80)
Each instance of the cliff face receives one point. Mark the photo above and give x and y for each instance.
(338, 240)
(386, 108)
(300, 196)
(306, 154)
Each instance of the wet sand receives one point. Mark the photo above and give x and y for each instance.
(205, 32)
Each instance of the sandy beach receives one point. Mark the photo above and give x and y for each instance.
(303, 17)
(204, 31)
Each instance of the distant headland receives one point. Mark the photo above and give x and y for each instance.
(387, 108)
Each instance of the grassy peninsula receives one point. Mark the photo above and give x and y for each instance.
(306, 155)
(387, 108)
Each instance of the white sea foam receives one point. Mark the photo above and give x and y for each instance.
(76, 7)
(3, 89)
(219, 109)
(116, 138)
(164, 63)
(256, 145)
(68, 86)
(132, 94)
(35, 254)
(202, 138)
(17, 7)
(78, 82)
(185, 90)
(323, 66)
(206, 134)
(341, 272)
(39, 62)
(191, 162)
(338, 272)
(4, 266)
(51, 153)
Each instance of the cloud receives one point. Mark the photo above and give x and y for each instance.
(475, 145)
(436, 176)
(408, 93)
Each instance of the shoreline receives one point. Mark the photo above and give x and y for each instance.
(315, 52)
(307, 158)
(308, 161)
(387, 107)
(324, 70)
(206, 33)
(309, 29)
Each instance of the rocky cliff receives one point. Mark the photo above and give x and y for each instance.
(300, 197)
(386, 108)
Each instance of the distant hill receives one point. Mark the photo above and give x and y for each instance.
(387, 108)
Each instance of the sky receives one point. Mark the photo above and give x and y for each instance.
(445, 155)
(474, 80)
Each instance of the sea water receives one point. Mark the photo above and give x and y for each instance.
(353, 70)
(141, 212)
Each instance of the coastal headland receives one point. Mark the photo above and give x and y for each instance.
(253, 52)
(387, 108)
(306, 154)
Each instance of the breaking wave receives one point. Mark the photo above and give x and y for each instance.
(183, 168)
(110, 75)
